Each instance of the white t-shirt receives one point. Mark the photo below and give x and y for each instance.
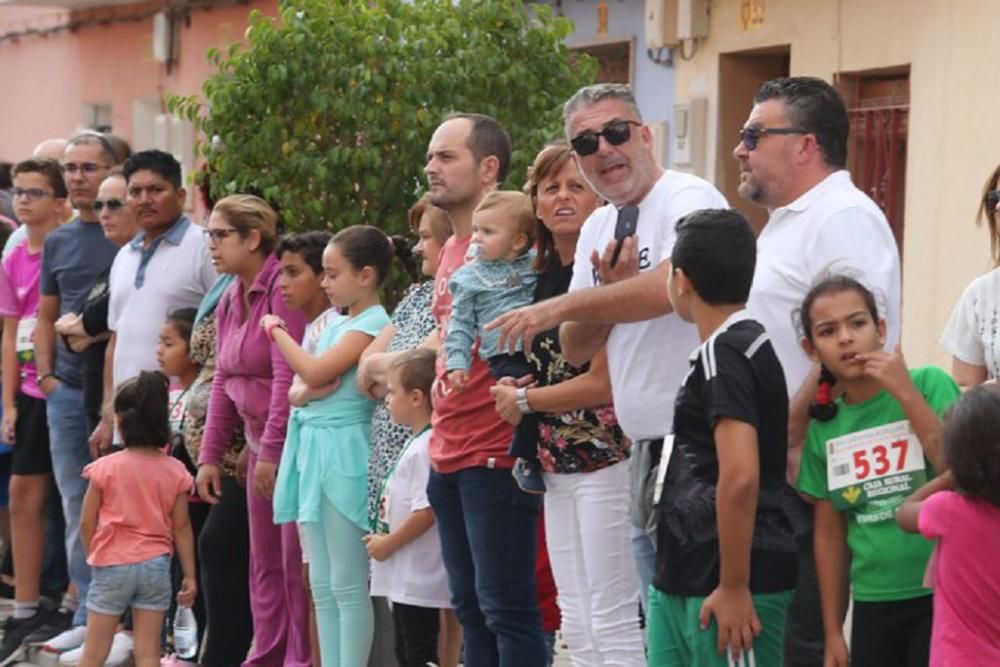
(414, 574)
(177, 275)
(973, 332)
(833, 228)
(647, 360)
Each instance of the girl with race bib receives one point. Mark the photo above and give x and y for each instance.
(865, 452)
(322, 479)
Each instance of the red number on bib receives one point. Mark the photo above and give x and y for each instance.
(900, 446)
(861, 464)
(882, 464)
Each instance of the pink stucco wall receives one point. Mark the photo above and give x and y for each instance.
(44, 81)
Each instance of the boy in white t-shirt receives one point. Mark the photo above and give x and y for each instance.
(406, 555)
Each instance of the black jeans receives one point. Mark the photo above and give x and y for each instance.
(804, 638)
(224, 553)
(896, 633)
(416, 634)
(525, 443)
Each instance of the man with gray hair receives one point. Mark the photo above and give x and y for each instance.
(628, 243)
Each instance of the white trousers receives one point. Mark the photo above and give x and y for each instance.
(587, 527)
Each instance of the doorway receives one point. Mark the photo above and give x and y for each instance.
(740, 75)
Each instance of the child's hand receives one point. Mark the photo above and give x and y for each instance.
(458, 379)
(889, 370)
(735, 616)
(379, 546)
(835, 652)
(188, 592)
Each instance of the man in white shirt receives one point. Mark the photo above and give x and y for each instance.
(793, 157)
(165, 267)
(648, 346)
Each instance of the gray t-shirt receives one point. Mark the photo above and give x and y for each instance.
(73, 258)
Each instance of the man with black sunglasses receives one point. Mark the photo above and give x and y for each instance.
(793, 156)
(648, 346)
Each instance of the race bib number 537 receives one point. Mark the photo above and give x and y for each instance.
(875, 463)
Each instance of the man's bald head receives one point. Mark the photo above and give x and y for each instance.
(52, 149)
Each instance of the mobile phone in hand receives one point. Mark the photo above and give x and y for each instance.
(628, 221)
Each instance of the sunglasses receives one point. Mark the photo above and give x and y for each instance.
(750, 136)
(615, 133)
(110, 204)
(218, 235)
(991, 199)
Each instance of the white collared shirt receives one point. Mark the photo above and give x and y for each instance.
(177, 275)
(833, 228)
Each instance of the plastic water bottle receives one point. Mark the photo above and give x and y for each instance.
(185, 633)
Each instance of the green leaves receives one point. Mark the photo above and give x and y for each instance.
(328, 111)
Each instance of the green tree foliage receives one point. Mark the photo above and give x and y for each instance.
(328, 110)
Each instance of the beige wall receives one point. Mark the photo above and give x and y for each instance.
(954, 131)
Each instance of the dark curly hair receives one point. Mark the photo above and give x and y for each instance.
(972, 443)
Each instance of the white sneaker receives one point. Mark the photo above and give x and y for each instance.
(121, 650)
(119, 654)
(67, 640)
(72, 657)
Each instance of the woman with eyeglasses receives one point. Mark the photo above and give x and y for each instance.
(973, 332)
(250, 388)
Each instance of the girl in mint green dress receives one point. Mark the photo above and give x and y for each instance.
(322, 476)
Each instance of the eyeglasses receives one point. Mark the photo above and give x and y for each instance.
(217, 235)
(751, 135)
(31, 194)
(991, 199)
(615, 133)
(88, 168)
(111, 204)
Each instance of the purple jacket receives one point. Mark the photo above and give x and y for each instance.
(251, 376)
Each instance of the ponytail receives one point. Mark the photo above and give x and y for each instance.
(404, 253)
(824, 408)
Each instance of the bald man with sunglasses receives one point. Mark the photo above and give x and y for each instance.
(628, 243)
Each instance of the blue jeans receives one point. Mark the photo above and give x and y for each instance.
(645, 564)
(68, 442)
(488, 541)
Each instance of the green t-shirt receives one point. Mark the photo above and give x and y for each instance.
(885, 466)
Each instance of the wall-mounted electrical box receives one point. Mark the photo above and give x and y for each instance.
(692, 19)
(661, 141)
(688, 136)
(661, 24)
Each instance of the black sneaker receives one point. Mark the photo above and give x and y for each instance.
(528, 475)
(15, 630)
(56, 623)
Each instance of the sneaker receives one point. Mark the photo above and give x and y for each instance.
(119, 655)
(121, 650)
(66, 641)
(528, 475)
(15, 630)
(57, 623)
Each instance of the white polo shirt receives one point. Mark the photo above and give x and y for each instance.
(147, 284)
(831, 229)
(647, 360)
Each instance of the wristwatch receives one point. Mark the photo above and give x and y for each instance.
(521, 396)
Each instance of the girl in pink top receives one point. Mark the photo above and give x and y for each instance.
(135, 511)
(961, 509)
